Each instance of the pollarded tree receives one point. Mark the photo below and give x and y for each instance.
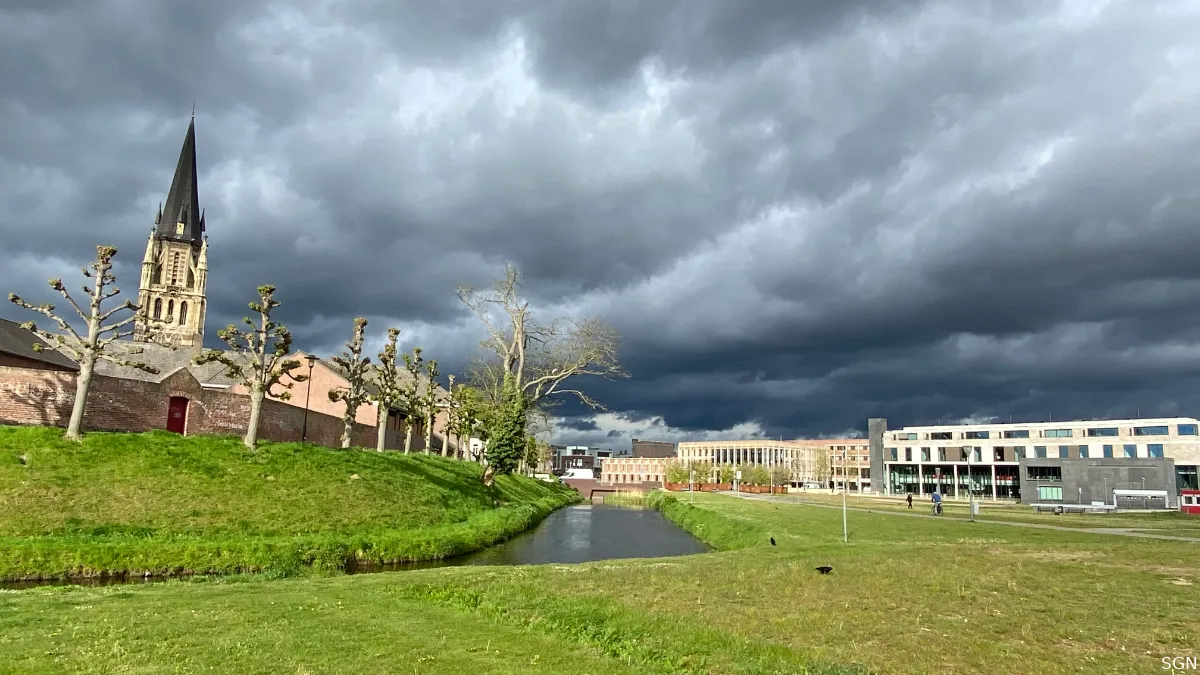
(453, 418)
(429, 405)
(472, 417)
(355, 368)
(258, 358)
(411, 394)
(92, 346)
(388, 391)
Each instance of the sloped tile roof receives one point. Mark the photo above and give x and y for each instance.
(19, 342)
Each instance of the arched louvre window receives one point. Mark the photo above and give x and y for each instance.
(183, 312)
(158, 308)
(170, 310)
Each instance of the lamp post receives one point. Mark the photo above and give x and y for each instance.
(967, 450)
(845, 527)
(312, 361)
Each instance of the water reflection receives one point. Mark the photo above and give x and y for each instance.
(585, 533)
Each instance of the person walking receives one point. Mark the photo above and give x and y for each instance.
(910, 501)
(937, 503)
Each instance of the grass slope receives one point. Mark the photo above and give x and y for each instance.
(162, 503)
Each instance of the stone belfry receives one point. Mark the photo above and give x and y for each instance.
(175, 267)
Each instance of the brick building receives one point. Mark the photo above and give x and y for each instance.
(644, 472)
(652, 448)
(37, 382)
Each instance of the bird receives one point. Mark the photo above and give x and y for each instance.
(824, 569)
(772, 541)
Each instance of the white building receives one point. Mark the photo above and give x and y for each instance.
(919, 460)
(828, 461)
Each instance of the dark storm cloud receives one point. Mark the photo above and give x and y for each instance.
(799, 214)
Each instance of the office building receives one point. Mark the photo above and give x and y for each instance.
(1039, 462)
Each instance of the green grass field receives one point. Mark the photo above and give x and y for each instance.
(907, 595)
(1173, 523)
(164, 503)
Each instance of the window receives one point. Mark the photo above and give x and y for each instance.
(1039, 451)
(1049, 493)
(1063, 451)
(978, 455)
(941, 436)
(908, 454)
(1017, 433)
(1083, 452)
(941, 454)
(183, 312)
(1155, 450)
(908, 437)
(1130, 450)
(975, 434)
(1108, 451)
(170, 310)
(892, 452)
(158, 308)
(924, 454)
(1057, 433)
(1186, 478)
(1189, 430)
(1044, 473)
(1151, 431)
(997, 454)
(191, 279)
(1104, 431)
(1019, 451)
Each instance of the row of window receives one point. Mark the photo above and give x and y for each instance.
(158, 311)
(1128, 450)
(1154, 430)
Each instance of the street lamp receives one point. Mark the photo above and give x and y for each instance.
(312, 361)
(967, 450)
(845, 486)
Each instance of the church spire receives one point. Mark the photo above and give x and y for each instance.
(180, 219)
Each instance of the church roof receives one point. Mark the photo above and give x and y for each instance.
(183, 199)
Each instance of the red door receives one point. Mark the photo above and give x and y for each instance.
(177, 414)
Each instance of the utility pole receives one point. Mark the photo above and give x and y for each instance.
(845, 528)
(967, 450)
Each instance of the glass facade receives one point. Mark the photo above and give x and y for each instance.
(1057, 433)
(1108, 451)
(1130, 450)
(1186, 478)
(1104, 431)
(1151, 431)
(1155, 450)
(1189, 430)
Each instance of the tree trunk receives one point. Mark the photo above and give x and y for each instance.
(256, 401)
(408, 435)
(347, 429)
(381, 431)
(83, 382)
(429, 435)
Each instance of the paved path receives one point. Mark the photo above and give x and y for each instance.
(1120, 531)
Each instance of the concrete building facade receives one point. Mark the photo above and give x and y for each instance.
(919, 460)
(634, 471)
(1104, 481)
(809, 460)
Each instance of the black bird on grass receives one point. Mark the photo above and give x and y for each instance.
(824, 569)
(772, 541)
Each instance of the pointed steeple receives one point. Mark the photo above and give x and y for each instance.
(183, 200)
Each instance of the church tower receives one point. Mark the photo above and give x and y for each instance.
(175, 267)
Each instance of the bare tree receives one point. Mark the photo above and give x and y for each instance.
(411, 395)
(387, 386)
(539, 357)
(355, 367)
(429, 404)
(257, 358)
(530, 363)
(93, 346)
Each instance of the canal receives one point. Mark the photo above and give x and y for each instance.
(573, 534)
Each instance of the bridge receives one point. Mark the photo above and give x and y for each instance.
(589, 487)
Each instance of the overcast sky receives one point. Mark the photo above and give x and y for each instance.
(798, 213)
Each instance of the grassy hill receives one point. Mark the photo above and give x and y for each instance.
(160, 503)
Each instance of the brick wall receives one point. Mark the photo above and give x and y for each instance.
(44, 397)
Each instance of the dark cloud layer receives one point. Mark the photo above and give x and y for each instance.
(799, 214)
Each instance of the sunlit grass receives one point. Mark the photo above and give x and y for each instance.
(162, 503)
